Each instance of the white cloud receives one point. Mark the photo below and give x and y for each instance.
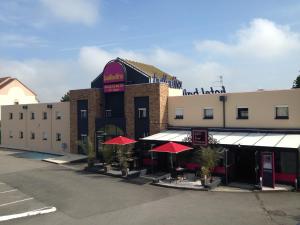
(20, 41)
(262, 39)
(74, 11)
(191, 72)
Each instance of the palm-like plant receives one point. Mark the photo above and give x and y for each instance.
(89, 148)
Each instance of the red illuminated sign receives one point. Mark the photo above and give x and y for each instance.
(200, 137)
(108, 88)
(113, 73)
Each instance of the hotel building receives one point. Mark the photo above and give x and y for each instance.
(258, 130)
(43, 127)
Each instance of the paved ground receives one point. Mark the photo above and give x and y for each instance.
(82, 198)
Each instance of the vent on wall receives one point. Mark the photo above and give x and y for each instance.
(49, 106)
(25, 107)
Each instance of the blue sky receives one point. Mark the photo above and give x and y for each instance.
(57, 45)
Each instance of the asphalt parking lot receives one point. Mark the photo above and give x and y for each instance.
(82, 198)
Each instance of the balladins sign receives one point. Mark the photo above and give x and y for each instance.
(113, 78)
(202, 91)
(173, 83)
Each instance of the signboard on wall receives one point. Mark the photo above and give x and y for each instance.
(113, 73)
(113, 77)
(200, 137)
(108, 88)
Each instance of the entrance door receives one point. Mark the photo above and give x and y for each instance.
(245, 165)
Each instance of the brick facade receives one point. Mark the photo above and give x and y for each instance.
(95, 104)
(158, 110)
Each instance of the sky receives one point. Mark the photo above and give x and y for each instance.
(57, 45)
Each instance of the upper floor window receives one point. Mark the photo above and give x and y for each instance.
(32, 115)
(58, 115)
(242, 113)
(58, 136)
(208, 113)
(45, 136)
(21, 115)
(108, 113)
(10, 134)
(21, 135)
(179, 113)
(83, 114)
(281, 112)
(16, 102)
(142, 113)
(32, 135)
(45, 115)
(11, 116)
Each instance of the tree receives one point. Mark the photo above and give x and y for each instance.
(296, 83)
(66, 97)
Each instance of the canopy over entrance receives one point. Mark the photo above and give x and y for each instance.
(259, 139)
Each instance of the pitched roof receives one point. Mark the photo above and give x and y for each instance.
(149, 70)
(7, 80)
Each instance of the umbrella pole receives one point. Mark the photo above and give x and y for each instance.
(171, 161)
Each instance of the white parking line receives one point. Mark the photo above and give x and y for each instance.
(3, 192)
(10, 203)
(30, 213)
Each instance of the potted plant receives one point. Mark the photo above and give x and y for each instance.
(88, 147)
(108, 155)
(124, 154)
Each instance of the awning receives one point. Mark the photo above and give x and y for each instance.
(278, 140)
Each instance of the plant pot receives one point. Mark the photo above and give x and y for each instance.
(125, 172)
(107, 168)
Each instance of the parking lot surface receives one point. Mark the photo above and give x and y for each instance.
(83, 198)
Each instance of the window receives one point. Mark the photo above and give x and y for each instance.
(281, 112)
(58, 115)
(32, 135)
(45, 115)
(45, 136)
(208, 113)
(58, 136)
(108, 113)
(21, 135)
(11, 116)
(142, 113)
(20, 115)
(242, 113)
(16, 102)
(179, 113)
(32, 115)
(83, 114)
(10, 134)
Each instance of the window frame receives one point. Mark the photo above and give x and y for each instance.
(21, 134)
(85, 113)
(144, 113)
(281, 117)
(32, 115)
(45, 115)
(44, 136)
(58, 137)
(238, 117)
(205, 117)
(32, 135)
(58, 115)
(108, 113)
(21, 115)
(177, 116)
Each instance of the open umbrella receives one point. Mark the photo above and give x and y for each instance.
(120, 140)
(171, 147)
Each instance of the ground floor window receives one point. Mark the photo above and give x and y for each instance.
(285, 162)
